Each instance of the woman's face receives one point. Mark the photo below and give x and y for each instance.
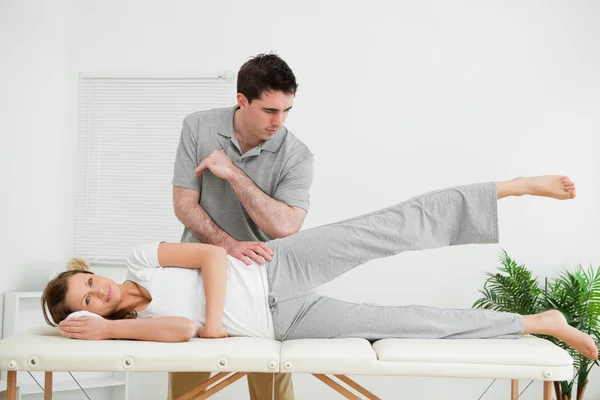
(93, 293)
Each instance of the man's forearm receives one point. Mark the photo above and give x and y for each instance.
(201, 225)
(274, 217)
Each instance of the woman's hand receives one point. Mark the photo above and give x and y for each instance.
(209, 332)
(88, 328)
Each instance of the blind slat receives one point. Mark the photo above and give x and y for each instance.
(129, 130)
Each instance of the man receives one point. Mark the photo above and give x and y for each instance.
(241, 178)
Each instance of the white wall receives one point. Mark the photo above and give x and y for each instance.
(395, 98)
(37, 148)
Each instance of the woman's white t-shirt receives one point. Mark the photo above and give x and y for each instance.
(180, 292)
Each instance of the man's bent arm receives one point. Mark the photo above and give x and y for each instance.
(274, 217)
(189, 212)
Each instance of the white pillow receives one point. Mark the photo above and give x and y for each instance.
(82, 313)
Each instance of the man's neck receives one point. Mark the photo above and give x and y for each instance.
(239, 130)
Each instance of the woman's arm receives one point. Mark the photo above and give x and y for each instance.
(213, 262)
(159, 329)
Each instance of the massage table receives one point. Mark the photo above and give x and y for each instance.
(329, 360)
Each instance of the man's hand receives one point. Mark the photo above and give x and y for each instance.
(88, 328)
(219, 164)
(243, 251)
(209, 332)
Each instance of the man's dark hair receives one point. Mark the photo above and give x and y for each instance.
(265, 72)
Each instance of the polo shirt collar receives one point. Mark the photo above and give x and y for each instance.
(226, 129)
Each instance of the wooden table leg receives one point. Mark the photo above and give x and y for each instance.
(336, 386)
(547, 390)
(48, 385)
(357, 387)
(11, 392)
(221, 385)
(514, 389)
(202, 392)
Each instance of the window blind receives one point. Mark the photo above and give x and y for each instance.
(129, 129)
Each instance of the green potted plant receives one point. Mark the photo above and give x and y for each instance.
(575, 293)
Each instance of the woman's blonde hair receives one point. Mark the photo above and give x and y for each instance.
(78, 264)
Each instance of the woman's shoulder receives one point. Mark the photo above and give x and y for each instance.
(143, 256)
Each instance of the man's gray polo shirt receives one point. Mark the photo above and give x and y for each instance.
(281, 167)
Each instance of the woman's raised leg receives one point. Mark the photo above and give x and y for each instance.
(453, 216)
(308, 259)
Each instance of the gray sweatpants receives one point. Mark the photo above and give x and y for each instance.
(304, 261)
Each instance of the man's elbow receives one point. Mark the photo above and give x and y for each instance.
(184, 202)
(282, 231)
(178, 213)
(290, 225)
(181, 211)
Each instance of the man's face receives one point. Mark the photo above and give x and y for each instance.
(265, 115)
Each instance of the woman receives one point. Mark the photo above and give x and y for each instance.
(279, 300)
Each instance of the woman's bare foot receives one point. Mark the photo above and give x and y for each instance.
(553, 323)
(553, 186)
